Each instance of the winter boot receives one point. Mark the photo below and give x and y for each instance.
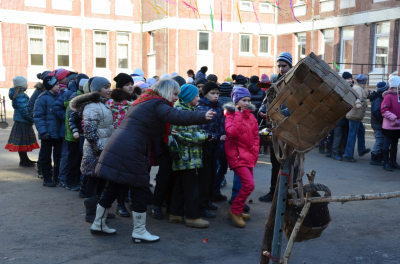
(90, 205)
(245, 216)
(322, 149)
(176, 219)
(140, 234)
(386, 165)
(99, 226)
(198, 223)
(237, 220)
(157, 213)
(393, 158)
(267, 198)
(121, 210)
(375, 160)
(24, 160)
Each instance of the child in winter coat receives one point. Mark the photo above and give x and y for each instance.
(241, 147)
(22, 138)
(211, 149)
(185, 197)
(48, 127)
(390, 110)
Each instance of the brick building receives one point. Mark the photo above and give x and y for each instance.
(105, 37)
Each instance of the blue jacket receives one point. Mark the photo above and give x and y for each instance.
(60, 111)
(45, 119)
(216, 127)
(284, 110)
(31, 104)
(19, 104)
(376, 99)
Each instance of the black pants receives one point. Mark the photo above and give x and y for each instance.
(122, 195)
(186, 195)
(165, 180)
(276, 166)
(138, 196)
(45, 157)
(94, 186)
(339, 139)
(207, 176)
(73, 163)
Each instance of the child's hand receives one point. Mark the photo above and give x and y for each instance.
(210, 114)
(76, 135)
(358, 106)
(223, 137)
(262, 115)
(174, 132)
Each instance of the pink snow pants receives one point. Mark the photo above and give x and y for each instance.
(246, 179)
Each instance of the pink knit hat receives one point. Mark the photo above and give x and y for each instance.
(59, 73)
(265, 78)
(142, 85)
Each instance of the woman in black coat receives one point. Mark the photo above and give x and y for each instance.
(125, 157)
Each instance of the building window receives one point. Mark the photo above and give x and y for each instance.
(246, 6)
(152, 42)
(328, 46)
(347, 3)
(300, 9)
(382, 31)
(63, 47)
(36, 3)
(123, 50)
(266, 8)
(301, 46)
(204, 6)
(327, 5)
(101, 7)
(347, 48)
(264, 48)
(245, 44)
(124, 8)
(62, 4)
(204, 41)
(101, 43)
(36, 45)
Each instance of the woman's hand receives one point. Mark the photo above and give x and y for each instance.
(210, 114)
(358, 106)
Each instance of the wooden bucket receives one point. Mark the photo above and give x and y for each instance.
(317, 97)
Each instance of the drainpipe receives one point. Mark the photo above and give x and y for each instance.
(276, 15)
(141, 35)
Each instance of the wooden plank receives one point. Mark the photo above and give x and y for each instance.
(311, 101)
(321, 92)
(313, 80)
(301, 92)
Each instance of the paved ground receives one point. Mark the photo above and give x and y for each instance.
(45, 225)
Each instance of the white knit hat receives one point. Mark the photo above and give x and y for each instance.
(394, 82)
(20, 81)
(138, 72)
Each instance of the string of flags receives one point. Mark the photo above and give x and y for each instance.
(274, 5)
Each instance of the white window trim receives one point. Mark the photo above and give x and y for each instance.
(379, 1)
(107, 50)
(250, 53)
(152, 51)
(323, 1)
(35, 3)
(342, 39)
(70, 47)
(324, 40)
(352, 4)
(204, 6)
(243, 8)
(379, 70)
(272, 9)
(298, 43)
(44, 46)
(129, 51)
(205, 52)
(268, 53)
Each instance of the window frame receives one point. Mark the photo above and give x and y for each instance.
(272, 9)
(343, 6)
(327, 1)
(209, 42)
(129, 50)
(245, 9)
(324, 40)
(69, 44)
(264, 54)
(342, 39)
(298, 43)
(250, 52)
(376, 36)
(107, 49)
(43, 37)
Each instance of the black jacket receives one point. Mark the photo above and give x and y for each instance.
(257, 96)
(376, 99)
(125, 157)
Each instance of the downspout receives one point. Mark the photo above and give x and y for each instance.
(276, 37)
(141, 35)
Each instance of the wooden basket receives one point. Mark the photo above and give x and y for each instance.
(317, 97)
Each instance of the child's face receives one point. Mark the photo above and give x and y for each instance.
(200, 87)
(349, 80)
(194, 101)
(128, 88)
(244, 103)
(213, 95)
(105, 91)
(55, 88)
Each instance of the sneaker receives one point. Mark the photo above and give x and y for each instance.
(197, 223)
(219, 198)
(267, 198)
(337, 157)
(62, 185)
(364, 152)
(346, 159)
(48, 182)
(73, 187)
(212, 206)
(223, 183)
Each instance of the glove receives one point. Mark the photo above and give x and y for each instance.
(45, 136)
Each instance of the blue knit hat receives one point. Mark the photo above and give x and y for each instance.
(239, 93)
(98, 83)
(361, 79)
(188, 93)
(382, 86)
(285, 56)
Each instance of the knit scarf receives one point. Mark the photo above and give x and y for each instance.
(150, 94)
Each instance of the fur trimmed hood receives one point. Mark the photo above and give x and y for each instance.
(392, 92)
(84, 99)
(40, 86)
(230, 107)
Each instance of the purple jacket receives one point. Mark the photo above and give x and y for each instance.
(390, 110)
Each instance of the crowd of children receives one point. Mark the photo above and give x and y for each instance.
(101, 138)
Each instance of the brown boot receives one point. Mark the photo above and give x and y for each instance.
(199, 223)
(176, 219)
(237, 220)
(245, 216)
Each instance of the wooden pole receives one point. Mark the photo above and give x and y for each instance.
(358, 197)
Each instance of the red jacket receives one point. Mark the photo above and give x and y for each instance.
(242, 142)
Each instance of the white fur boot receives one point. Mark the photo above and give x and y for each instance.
(140, 234)
(99, 226)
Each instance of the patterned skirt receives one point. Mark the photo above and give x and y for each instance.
(22, 138)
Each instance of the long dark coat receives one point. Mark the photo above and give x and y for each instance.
(125, 157)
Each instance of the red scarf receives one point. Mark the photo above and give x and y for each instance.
(150, 94)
